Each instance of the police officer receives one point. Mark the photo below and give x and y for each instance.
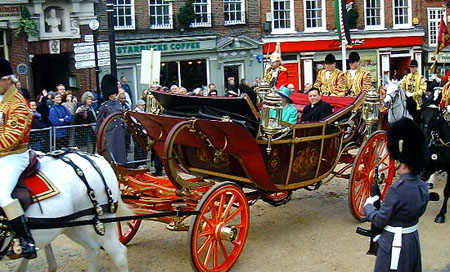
(15, 125)
(116, 131)
(405, 202)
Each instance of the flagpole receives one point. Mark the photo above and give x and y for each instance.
(343, 40)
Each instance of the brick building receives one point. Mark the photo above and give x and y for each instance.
(48, 55)
(223, 41)
(386, 33)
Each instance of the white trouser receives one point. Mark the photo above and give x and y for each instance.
(11, 167)
(397, 242)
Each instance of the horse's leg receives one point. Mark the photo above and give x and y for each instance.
(118, 252)
(440, 218)
(51, 261)
(81, 236)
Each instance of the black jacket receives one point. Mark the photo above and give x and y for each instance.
(317, 112)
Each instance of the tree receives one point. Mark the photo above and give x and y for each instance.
(186, 15)
(26, 24)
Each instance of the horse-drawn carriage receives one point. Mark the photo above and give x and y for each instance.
(222, 154)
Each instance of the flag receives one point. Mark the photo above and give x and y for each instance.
(443, 37)
(341, 21)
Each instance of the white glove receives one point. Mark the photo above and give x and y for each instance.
(371, 200)
(409, 94)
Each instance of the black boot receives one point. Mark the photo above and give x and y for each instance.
(23, 243)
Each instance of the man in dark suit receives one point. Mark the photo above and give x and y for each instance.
(318, 109)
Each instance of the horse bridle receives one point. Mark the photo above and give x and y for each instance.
(394, 99)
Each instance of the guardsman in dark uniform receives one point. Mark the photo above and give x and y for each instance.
(405, 202)
(15, 125)
(116, 131)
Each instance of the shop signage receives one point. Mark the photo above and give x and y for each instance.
(180, 46)
(443, 57)
(91, 63)
(22, 69)
(81, 48)
(9, 11)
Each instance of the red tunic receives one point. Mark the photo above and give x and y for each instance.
(282, 79)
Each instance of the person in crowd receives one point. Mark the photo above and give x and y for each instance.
(116, 130)
(317, 109)
(174, 89)
(357, 79)
(15, 124)
(39, 140)
(405, 202)
(85, 115)
(70, 103)
(291, 87)
(197, 92)
(212, 87)
(276, 75)
(25, 93)
(330, 81)
(61, 89)
(60, 116)
(44, 103)
(182, 90)
(212, 93)
(140, 154)
(124, 85)
(126, 102)
(245, 88)
(232, 90)
(140, 106)
(256, 82)
(289, 113)
(414, 84)
(307, 87)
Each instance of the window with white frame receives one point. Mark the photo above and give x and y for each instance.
(374, 14)
(202, 10)
(282, 16)
(434, 20)
(314, 15)
(402, 13)
(3, 46)
(123, 14)
(160, 14)
(234, 12)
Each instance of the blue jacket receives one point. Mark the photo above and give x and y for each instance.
(60, 112)
(288, 115)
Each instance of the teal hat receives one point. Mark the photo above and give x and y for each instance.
(285, 92)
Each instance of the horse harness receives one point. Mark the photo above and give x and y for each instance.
(97, 210)
(394, 99)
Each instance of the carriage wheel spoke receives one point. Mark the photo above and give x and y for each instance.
(216, 253)
(223, 249)
(208, 254)
(205, 233)
(221, 203)
(205, 244)
(208, 221)
(228, 208)
(233, 215)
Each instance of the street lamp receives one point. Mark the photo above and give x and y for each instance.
(94, 25)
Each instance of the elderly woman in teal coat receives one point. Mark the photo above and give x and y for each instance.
(289, 113)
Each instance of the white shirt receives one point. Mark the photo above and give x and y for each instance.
(353, 73)
(328, 74)
(1, 97)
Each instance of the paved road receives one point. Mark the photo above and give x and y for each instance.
(313, 233)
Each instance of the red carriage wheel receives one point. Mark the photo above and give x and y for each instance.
(218, 234)
(127, 230)
(362, 176)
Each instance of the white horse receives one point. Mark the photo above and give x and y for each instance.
(395, 102)
(71, 199)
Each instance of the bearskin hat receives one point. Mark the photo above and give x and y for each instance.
(353, 57)
(109, 86)
(330, 59)
(413, 63)
(406, 143)
(5, 68)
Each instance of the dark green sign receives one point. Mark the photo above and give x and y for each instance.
(136, 49)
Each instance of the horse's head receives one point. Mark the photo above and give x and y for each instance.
(391, 88)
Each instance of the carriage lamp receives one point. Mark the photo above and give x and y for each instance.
(152, 104)
(271, 125)
(371, 110)
(262, 90)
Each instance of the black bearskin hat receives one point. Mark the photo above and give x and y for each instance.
(109, 86)
(330, 59)
(5, 68)
(406, 143)
(353, 57)
(413, 63)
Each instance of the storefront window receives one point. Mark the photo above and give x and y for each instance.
(3, 48)
(434, 20)
(192, 73)
(160, 14)
(123, 14)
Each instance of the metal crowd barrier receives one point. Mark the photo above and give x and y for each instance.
(84, 138)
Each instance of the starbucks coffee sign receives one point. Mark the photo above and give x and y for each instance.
(180, 46)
